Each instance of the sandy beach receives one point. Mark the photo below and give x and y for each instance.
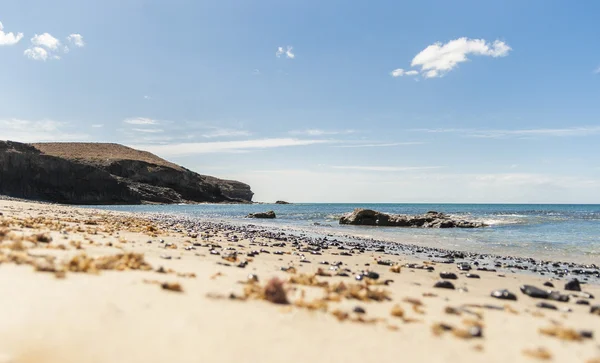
(96, 286)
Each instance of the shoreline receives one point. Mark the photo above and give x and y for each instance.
(174, 290)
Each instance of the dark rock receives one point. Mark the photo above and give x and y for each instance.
(448, 275)
(545, 305)
(282, 202)
(587, 334)
(262, 215)
(359, 310)
(549, 284)
(534, 292)
(113, 174)
(473, 276)
(557, 296)
(370, 217)
(595, 310)
(503, 295)
(573, 285)
(582, 302)
(444, 284)
(464, 267)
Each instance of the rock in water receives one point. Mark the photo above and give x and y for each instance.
(503, 295)
(282, 202)
(262, 215)
(534, 292)
(368, 217)
(573, 285)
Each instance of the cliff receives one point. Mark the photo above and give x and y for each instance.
(96, 173)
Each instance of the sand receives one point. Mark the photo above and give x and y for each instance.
(129, 314)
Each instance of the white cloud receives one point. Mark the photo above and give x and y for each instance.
(217, 132)
(38, 131)
(36, 53)
(9, 38)
(522, 133)
(224, 146)
(97, 126)
(438, 59)
(45, 40)
(319, 132)
(149, 131)
(382, 144)
(146, 97)
(76, 40)
(386, 168)
(141, 121)
(287, 52)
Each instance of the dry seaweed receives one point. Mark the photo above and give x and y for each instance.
(538, 353)
(562, 333)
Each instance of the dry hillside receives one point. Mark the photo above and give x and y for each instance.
(102, 153)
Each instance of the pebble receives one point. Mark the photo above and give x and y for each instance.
(448, 275)
(473, 276)
(588, 334)
(549, 284)
(503, 295)
(534, 292)
(444, 284)
(595, 310)
(573, 285)
(166, 257)
(557, 296)
(359, 310)
(545, 305)
(582, 302)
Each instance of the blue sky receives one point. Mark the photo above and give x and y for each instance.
(310, 101)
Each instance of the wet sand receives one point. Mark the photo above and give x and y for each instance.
(95, 286)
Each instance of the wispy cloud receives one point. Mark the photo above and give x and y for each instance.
(319, 132)
(97, 126)
(225, 146)
(76, 40)
(287, 52)
(149, 131)
(438, 59)
(385, 168)
(9, 38)
(38, 131)
(540, 132)
(218, 132)
(45, 46)
(382, 144)
(141, 121)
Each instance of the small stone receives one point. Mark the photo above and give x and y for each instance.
(372, 275)
(582, 302)
(534, 292)
(448, 275)
(549, 284)
(444, 284)
(476, 331)
(464, 267)
(473, 276)
(149, 241)
(359, 310)
(544, 305)
(573, 285)
(166, 257)
(503, 295)
(588, 334)
(595, 310)
(557, 296)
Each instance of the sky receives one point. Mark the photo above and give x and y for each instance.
(321, 101)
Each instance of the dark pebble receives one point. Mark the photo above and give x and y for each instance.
(588, 334)
(372, 275)
(549, 284)
(573, 285)
(359, 310)
(534, 292)
(557, 296)
(448, 275)
(545, 305)
(595, 310)
(444, 284)
(503, 295)
(582, 302)
(476, 332)
(473, 276)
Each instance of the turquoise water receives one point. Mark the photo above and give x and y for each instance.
(560, 232)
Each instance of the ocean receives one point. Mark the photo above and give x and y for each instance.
(562, 232)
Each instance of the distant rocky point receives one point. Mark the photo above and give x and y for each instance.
(102, 173)
(282, 202)
(432, 219)
(262, 215)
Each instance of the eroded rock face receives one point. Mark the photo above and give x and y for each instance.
(26, 172)
(368, 217)
(262, 215)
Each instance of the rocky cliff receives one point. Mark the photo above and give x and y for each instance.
(89, 173)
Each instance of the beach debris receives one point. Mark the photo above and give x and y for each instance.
(172, 286)
(560, 332)
(43, 238)
(385, 262)
(448, 275)
(275, 292)
(444, 284)
(289, 269)
(545, 305)
(397, 311)
(534, 292)
(396, 269)
(503, 294)
(595, 310)
(540, 353)
(472, 276)
(307, 280)
(573, 285)
(471, 331)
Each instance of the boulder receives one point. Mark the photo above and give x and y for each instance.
(282, 202)
(262, 215)
(368, 217)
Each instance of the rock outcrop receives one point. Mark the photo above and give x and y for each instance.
(282, 202)
(368, 217)
(87, 173)
(262, 215)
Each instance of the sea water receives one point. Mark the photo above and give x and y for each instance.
(564, 232)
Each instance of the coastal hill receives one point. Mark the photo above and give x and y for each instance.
(103, 173)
